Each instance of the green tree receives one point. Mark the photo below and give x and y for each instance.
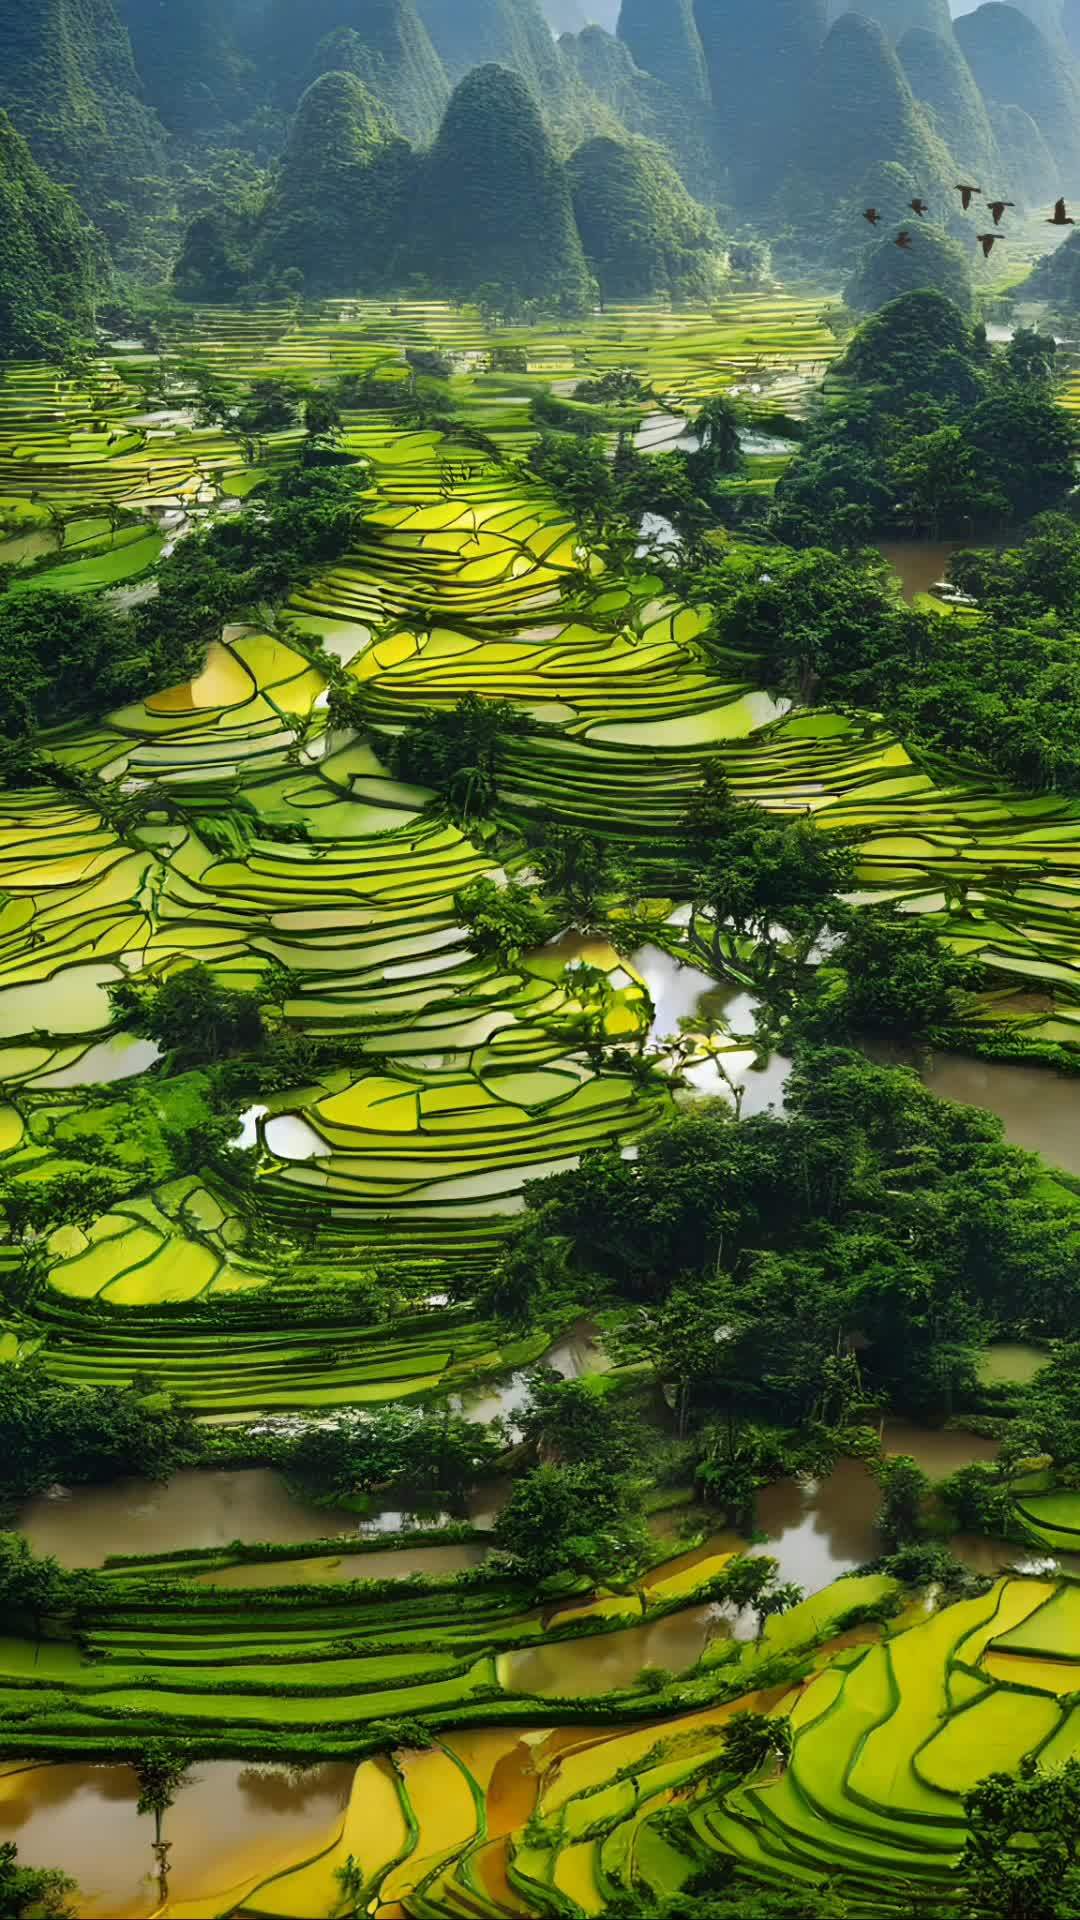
(1021, 1860)
(752, 1741)
(457, 751)
(162, 1769)
(573, 1423)
(581, 1519)
(32, 1589)
(892, 973)
(271, 405)
(191, 1017)
(504, 921)
(579, 873)
(32, 1893)
(904, 1487)
(323, 419)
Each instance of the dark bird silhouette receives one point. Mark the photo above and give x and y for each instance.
(903, 238)
(918, 206)
(967, 195)
(1060, 218)
(987, 241)
(872, 215)
(997, 208)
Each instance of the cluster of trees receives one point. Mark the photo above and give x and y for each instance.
(61, 654)
(32, 1893)
(422, 1450)
(784, 1268)
(608, 498)
(79, 1436)
(998, 687)
(191, 1016)
(935, 433)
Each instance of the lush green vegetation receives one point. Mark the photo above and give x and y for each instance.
(32, 1893)
(641, 231)
(493, 208)
(48, 272)
(923, 1263)
(78, 1437)
(61, 653)
(930, 433)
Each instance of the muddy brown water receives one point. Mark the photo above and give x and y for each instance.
(396, 1563)
(1040, 1110)
(233, 1821)
(602, 1663)
(919, 564)
(193, 1509)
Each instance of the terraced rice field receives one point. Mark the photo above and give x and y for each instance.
(225, 821)
(460, 581)
(457, 582)
(505, 1814)
(888, 1735)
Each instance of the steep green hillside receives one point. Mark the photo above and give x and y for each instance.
(645, 106)
(1057, 277)
(662, 35)
(492, 208)
(932, 261)
(641, 231)
(760, 60)
(338, 201)
(1049, 17)
(384, 43)
(68, 80)
(1031, 167)
(513, 33)
(944, 87)
(189, 64)
(1015, 64)
(861, 114)
(900, 16)
(46, 262)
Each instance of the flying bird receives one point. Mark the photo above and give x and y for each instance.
(987, 242)
(967, 195)
(903, 238)
(1059, 217)
(918, 206)
(872, 215)
(997, 208)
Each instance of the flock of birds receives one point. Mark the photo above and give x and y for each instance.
(987, 241)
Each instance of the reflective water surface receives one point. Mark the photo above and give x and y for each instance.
(193, 1509)
(234, 1821)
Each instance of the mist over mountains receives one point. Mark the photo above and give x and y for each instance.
(262, 147)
